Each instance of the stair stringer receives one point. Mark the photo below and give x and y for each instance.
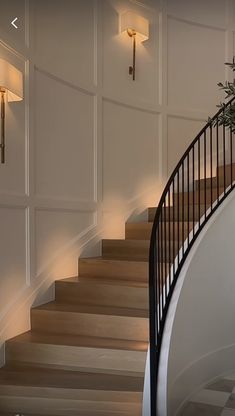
(175, 389)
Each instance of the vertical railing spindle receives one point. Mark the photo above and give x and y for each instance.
(211, 165)
(205, 184)
(199, 182)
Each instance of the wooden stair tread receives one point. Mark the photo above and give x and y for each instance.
(91, 309)
(102, 260)
(28, 375)
(105, 260)
(103, 281)
(79, 341)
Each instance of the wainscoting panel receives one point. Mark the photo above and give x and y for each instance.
(64, 135)
(196, 57)
(64, 39)
(206, 12)
(181, 132)
(130, 151)
(13, 249)
(57, 235)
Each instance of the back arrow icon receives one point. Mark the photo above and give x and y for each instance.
(13, 22)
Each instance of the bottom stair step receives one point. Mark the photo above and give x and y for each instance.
(68, 393)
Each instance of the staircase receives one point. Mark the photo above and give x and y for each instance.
(86, 351)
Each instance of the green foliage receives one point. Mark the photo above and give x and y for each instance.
(227, 116)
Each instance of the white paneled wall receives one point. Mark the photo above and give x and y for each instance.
(88, 146)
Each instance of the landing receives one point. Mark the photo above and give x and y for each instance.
(216, 399)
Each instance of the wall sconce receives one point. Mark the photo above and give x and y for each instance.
(137, 27)
(11, 86)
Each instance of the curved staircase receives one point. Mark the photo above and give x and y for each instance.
(86, 351)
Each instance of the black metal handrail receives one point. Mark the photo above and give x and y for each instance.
(198, 185)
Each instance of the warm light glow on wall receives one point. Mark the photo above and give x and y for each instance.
(11, 80)
(135, 24)
(11, 87)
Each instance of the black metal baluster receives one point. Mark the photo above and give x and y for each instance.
(193, 175)
(162, 261)
(211, 165)
(199, 182)
(224, 157)
(165, 249)
(188, 230)
(205, 190)
(178, 216)
(169, 236)
(182, 208)
(173, 224)
(159, 277)
(217, 159)
(165, 252)
(231, 153)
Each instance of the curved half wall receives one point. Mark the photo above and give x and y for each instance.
(199, 338)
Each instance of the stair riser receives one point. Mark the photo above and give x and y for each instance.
(135, 232)
(137, 271)
(77, 358)
(121, 250)
(117, 327)
(125, 251)
(180, 215)
(216, 182)
(193, 198)
(229, 173)
(101, 294)
(60, 407)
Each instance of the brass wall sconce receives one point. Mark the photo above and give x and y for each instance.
(11, 88)
(137, 27)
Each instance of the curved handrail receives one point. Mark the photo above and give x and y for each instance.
(179, 218)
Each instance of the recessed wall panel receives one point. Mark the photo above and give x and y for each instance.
(56, 235)
(181, 132)
(64, 132)
(195, 65)
(130, 153)
(207, 12)
(64, 38)
(13, 254)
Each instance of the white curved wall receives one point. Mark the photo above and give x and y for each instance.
(199, 342)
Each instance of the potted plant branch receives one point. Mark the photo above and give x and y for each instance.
(227, 117)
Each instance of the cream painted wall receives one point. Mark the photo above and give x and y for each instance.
(88, 147)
